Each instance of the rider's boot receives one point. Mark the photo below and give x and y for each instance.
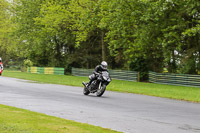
(88, 84)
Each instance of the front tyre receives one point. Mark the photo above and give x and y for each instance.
(86, 91)
(101, 90)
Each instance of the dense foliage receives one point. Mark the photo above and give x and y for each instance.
(7, 46)
(141, 35)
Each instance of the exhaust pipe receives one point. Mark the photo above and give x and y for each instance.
(84, 83)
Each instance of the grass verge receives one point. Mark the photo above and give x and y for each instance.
(159, 90)
(14, 120)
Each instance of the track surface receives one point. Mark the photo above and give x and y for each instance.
(123, 112)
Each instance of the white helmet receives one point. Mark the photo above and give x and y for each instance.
(0, 59)
(104, 65)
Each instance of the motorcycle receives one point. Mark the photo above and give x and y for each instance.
(1, 71)
(97, 86)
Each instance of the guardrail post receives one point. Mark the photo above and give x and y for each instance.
(138, 76)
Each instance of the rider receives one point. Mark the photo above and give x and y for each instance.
(97, 71)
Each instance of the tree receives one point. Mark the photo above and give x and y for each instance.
(141, 35)
(7, 45)
(87, 16)
(26, 31)
(181, 35)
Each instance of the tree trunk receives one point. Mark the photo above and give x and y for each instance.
(173, 62)
(103, 47)
(58, 53)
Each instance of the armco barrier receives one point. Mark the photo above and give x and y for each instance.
(46, 70)
(49, 70)
(33, 69)
(175, 79)
(115, 74)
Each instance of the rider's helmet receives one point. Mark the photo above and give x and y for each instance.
(0, 59)
(104, 65)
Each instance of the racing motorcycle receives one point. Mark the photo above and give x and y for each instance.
(1, 70)
(97, 86)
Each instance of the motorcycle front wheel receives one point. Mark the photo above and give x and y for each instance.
(101, 90)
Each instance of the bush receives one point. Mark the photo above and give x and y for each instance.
(27, 63)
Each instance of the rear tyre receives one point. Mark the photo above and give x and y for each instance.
(86, 91)
(101, 90)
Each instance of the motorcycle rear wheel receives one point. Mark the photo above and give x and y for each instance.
(86, 91)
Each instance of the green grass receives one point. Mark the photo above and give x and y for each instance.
(159, 90)
(14, 120)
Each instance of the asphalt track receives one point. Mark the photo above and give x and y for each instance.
(123, 112)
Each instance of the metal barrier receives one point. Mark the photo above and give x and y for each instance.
(175, 79)
(46, 70)
(115, 74)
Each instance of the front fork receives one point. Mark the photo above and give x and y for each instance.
(100, 86)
